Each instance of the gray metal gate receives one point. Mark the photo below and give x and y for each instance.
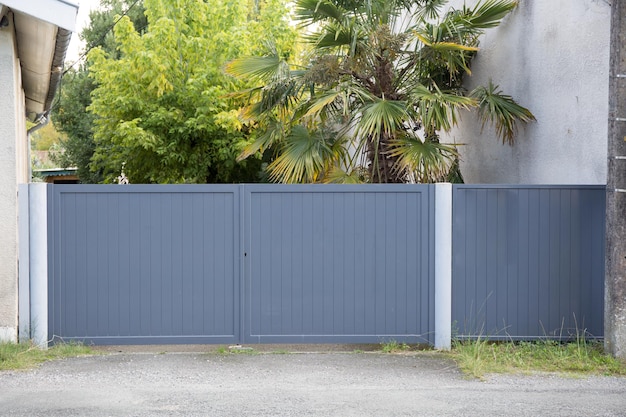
(339, 264)
(320, 263)
(224, 264)
(528, 261)
(145, 264)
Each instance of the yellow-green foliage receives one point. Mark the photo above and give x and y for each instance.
(164, 106)
(46, 137)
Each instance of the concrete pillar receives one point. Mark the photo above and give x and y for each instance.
(443, 266)
(24, 263)
(38, 231)
(615, 283)
(12, 131)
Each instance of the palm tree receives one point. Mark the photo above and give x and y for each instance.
(383, 79)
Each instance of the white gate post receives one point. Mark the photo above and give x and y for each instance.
(38, 211)
(443, 266)
(23, 223)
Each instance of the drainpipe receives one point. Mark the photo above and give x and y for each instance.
(42, 120)
(56, 69)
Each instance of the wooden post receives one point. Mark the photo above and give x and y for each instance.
(615, 283)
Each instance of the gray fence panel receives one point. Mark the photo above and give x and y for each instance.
(319, 263)
(528, 261)
(339, 264)
(145, 264)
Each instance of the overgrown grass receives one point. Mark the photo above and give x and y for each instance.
(26, 355)
(479, 357)
(393, 346)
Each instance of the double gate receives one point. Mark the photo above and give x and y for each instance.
(156, 264)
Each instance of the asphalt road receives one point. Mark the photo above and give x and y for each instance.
(297, 384)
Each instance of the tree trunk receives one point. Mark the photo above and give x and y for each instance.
(383, 167)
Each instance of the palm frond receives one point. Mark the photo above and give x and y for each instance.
(318, 104)
(437, 110)
(500, 110)
(336, 175)
(333, 37)
(272, 135)
(382, 116)
(454, 54)
(265, 68)
(303, 158)
(487, 14)
(426, 161)
(281, 95)
(451, 46)
(429, 9)
(311, 11)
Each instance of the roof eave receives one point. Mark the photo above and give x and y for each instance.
(61, 13)
(43, 30)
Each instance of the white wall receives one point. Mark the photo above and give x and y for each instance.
(553, 58)
(12, 132)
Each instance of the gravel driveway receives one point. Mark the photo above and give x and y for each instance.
(296, 384)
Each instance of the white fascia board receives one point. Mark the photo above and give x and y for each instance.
(61, 13)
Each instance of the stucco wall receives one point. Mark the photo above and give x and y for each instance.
(12, 130)
(553, 58)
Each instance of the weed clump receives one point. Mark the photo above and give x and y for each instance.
(393, 346)
(481, 356)
(27, 355)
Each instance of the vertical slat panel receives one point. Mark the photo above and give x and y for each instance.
(165, 255)
(134, 272)
(123, 246)
(338, 264)
(595, 324)
(534, 278)
(70, 287)
(542, 261)
(359, 213)
(92, 261)
(521, 283)
(543, 243)
(513, 254)
(369, 261)
(177, 262)
(146, 264)
(461, 267)
(565, 263)
(554, 211)
(112, 306)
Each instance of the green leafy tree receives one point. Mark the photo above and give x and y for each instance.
(46, 138)
(73, 119)
(44, 146)
(162, 106)
(70, 109)
(99, 33)
(384, 79)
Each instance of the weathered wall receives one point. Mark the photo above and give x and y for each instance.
(12, 131)
(553, 58)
